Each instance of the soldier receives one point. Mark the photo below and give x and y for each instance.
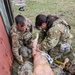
(55, 37)
(21, 34)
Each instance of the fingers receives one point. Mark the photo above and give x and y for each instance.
(66, 60)
(37, 36)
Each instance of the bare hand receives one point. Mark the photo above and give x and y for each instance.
(35, 41)
(20, 60)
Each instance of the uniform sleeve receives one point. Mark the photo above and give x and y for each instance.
(29, 24)
(42, 36)
(52, 39)
(15, 44)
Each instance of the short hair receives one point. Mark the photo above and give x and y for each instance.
(39, 20)
(50, 20)
(20, 19)
(45, 19)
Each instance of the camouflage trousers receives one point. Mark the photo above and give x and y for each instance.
(58, 71)
(69, 70)
(56, 54)
(26, 53)
(25, 69)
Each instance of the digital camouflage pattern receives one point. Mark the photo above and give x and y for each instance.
(25, 69)
(54, 37)
(21, 40)
(51, 40)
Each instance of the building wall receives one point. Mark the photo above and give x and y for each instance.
(6, 15)
(6, 57)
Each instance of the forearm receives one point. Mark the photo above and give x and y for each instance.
(17, 56)
(42, 36)
(34, 51)
(49, 43)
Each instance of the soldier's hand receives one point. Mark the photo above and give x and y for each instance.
(20, 60)
(35, 41)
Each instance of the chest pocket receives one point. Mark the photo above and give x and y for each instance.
(65, 35)
(27, 38)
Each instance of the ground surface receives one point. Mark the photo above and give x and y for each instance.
(63, 8)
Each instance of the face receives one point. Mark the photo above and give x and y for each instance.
(43, 26)
(23, 28)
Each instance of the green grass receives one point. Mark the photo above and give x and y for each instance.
(63, 8)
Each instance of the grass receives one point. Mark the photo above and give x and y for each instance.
(63, 8)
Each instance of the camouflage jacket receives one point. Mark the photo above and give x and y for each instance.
(51, 40)
(57, 34)
(20, 39)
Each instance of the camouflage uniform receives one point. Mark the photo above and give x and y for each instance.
(22, 41)
(25, 69)
(51, 40)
